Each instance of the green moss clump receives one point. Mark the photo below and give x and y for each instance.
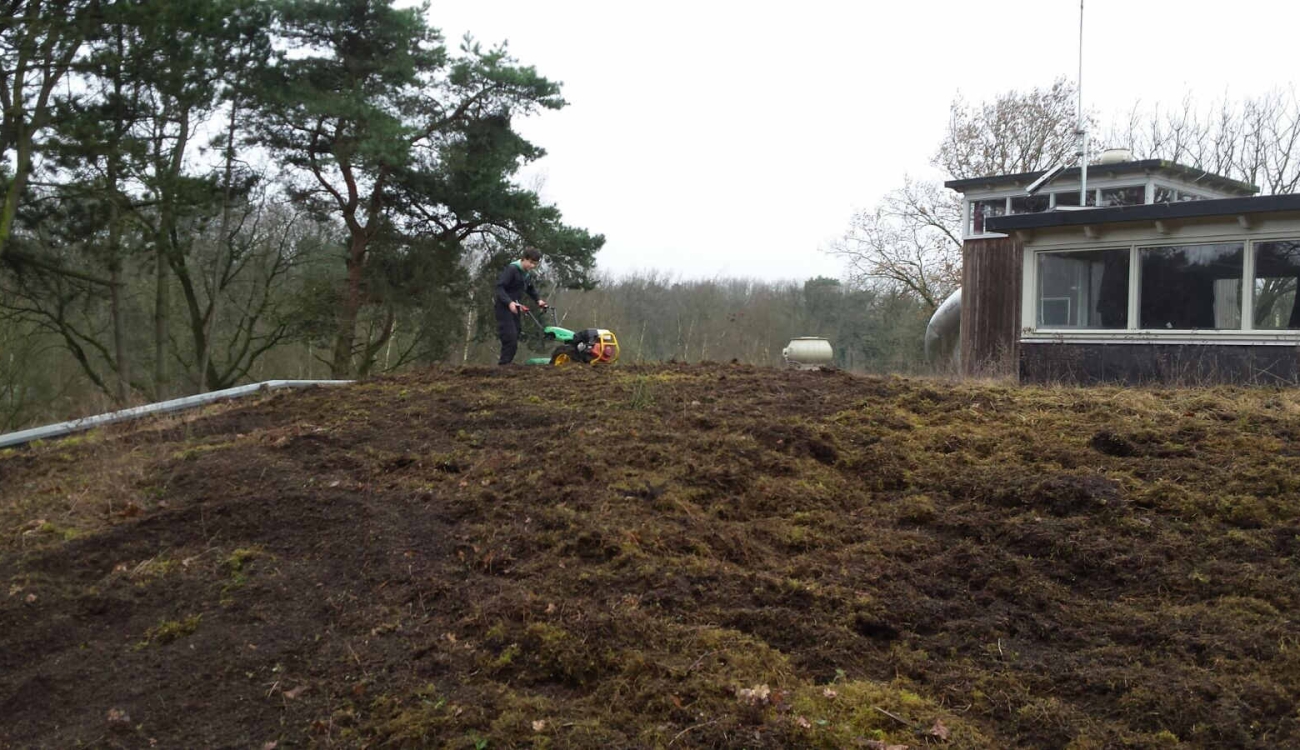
(170, 630)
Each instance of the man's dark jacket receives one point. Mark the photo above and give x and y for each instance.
(513, 282)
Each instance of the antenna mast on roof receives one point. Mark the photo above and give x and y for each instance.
(1081, 129)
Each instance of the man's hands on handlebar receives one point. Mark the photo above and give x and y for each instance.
(518, 307)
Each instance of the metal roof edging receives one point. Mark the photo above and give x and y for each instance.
(1150, 167)
(162, 407)
(1206, 209)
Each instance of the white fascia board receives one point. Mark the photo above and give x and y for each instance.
(1180, 232)
(1234, 338)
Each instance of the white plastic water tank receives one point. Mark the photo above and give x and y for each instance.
(1115, 156)
(807, 352)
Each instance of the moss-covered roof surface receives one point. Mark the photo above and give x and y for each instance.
(682, 556)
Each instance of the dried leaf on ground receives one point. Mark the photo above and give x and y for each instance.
(118, 717)
(757, 695)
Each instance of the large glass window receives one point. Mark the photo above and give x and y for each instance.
(1124, 196)
(1086, 289)
(1190, 286)
(1071, 198)
(1277, 269)
(1169, 195)
(981, 210)
(1029, 204)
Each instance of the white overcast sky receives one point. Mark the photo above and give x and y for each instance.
(712, 138)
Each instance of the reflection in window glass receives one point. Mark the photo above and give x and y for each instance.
(1277, 269)
(1071, 198)
(1087, 289)
(1125, 196)
(1029, 204)
(981, 210)
(1191, 286)
(1169, 195)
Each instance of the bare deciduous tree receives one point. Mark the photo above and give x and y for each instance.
(1016, 132)
(911, 243)
(1255, 140)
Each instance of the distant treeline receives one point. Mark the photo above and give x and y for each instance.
(196, 194)
(656, 318)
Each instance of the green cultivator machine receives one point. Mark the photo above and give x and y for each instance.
(589, 346)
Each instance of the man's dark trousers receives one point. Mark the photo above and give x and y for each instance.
(508, 327)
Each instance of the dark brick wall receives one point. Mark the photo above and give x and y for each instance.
(1140, 364)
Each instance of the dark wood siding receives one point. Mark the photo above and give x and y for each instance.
(1145, 364)
(990, 306)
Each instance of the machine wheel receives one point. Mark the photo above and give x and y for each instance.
(564, 355)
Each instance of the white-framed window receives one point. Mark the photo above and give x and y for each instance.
(1277, 272)
(1071, 198)
(1134, 195)
(1203, 287)
(985, 209)
(1083, 289)
(1030, 204)
(977, 210)
(1165, 194)
(1191, 287)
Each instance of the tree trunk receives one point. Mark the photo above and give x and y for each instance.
(388, 350)
(162, 300)
(119, 331)
(223, 242)
(341, 368)
(469, 335)
(370, 354)
(170, 171)
(16, 187)
(115, 285)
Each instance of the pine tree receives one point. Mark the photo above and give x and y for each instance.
(405, 145)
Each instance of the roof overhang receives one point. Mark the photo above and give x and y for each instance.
(1238, 209)
(1154, 167)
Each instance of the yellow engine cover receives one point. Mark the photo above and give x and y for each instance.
(605, 350)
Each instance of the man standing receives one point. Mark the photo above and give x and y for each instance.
(514, 281)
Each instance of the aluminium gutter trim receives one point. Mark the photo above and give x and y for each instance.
(163, 407)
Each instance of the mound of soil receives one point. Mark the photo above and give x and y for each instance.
(677, 556)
